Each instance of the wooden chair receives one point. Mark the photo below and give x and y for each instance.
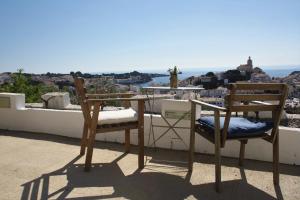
(241, 128)
(108, 121)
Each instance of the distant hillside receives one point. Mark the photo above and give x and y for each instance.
(295, 72)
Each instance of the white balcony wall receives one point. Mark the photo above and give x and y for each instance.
(69, 123)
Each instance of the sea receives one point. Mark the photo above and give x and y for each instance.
(280, 71)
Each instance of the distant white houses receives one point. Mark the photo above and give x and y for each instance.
(130, 80)
(205, 79)
(292, 103)
(220, 75)
(220, 92)
(294, 90)
(257, 70)
(260, 77)
(4, 78)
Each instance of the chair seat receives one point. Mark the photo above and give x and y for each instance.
(117, 116)
(238, 126)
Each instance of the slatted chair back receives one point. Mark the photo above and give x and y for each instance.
(126, 104)
(248, 97)
(82, 97)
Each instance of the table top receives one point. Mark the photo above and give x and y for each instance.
(169, 88)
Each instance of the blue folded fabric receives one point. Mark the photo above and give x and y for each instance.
(238, 126)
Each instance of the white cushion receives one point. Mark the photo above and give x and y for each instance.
(117, 116)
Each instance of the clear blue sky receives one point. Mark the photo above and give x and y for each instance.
(101, 36)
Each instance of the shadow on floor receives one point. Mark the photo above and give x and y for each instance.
(158, 156)
(139, 185)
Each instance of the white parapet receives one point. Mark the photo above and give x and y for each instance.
(70, 123)
(171, 108)
(155, 104)
(12, 101)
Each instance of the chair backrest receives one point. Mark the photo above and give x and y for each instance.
(82, 97)
(244, 97)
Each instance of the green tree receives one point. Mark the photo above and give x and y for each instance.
(22, 84)
(210, 74)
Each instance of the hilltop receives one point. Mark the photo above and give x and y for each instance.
(61, 79)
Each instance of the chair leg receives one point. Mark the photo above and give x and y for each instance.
(89, 154)
(276, 160)
(127, 140)
(217, 151)
(141, 147)
(191, 150)
(192, 137)
(141, 134)
(242, 152)
(84, 139)
(218, 166)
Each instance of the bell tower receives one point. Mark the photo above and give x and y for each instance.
(249, 62)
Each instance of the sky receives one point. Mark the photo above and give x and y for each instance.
(123, 35)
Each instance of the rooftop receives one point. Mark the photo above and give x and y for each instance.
(42, 166)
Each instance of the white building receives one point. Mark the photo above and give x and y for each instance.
(220, 92)
(260, 77)
(4, 78)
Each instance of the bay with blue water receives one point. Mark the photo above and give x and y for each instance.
(279, 72)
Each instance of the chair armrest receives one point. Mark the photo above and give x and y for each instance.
(120, 95)
(260, 102)
(157, 97)
(213, 107)
(116, 99)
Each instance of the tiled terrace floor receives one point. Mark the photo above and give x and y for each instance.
(41, 166)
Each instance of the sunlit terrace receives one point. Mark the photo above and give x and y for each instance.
(40, 159)
(43, 166)
(163, 100)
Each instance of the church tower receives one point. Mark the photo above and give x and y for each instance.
(246, 67)
(249, 62)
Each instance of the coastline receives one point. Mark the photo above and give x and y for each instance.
(186, 74)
